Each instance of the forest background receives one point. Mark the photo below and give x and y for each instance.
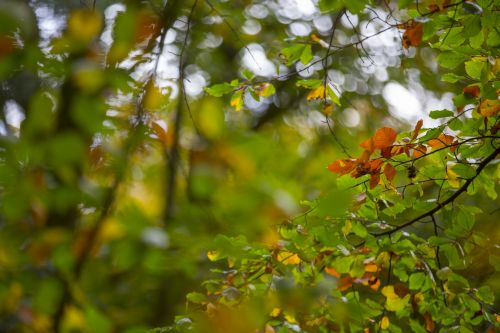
(242, 166)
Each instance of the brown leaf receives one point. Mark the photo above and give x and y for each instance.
(429, 323)
(389, 172)
(472, 91)
(417, 128)
(374, 180)
(413, 34)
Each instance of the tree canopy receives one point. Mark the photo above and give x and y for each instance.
(244, 166)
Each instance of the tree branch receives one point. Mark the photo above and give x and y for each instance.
(440, 205)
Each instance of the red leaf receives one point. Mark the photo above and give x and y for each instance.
(384, 137)
(389, 172)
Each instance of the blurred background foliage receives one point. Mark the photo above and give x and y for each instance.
(117, 170)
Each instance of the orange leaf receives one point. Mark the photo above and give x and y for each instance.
(417, 128)
(368, 145)
(344, 283)
(332, 271)
(342, 167)
(413, 34)
(472, 91)
(397, 150)
(443, 140)
(419, 150)
(384, 137)
(327, 109)
(374, 283)
(389, 172)
(365, 156)
(372, 268)
(374, 180)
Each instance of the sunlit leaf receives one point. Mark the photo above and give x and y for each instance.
(318, 93)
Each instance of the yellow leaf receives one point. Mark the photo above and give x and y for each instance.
(269, 329)
(290, 318)
(452, 177)
(393, 301)
(111, 229)
(489, 108)
(384, 323)
(276, 312)
(74, 318)
(84, 25)
(154, 98)
(346, 229)
(318, 93)
(288, 258)
(213, 255)
(237, 100)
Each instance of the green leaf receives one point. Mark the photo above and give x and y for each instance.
(296, 52)
(306, 55)
(333, 96)
(451, 60)
(452, 78)
(416, 327)
(485, 294)
(354, 6)
(417, 280)
(218, 90)
(309, 83)
(441, 114)
(329, 5)
(474, 68)
(359, 229)
(197, 298)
